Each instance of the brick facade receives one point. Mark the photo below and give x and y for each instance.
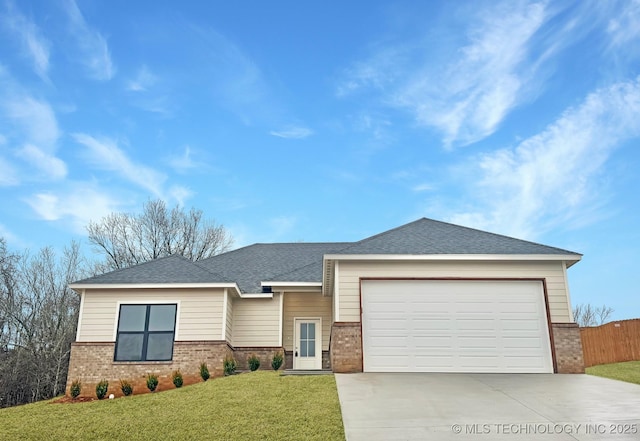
(93, 362)
(568, 348)
(346, 347)
(264, 354)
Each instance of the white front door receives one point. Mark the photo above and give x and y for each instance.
(307, 353)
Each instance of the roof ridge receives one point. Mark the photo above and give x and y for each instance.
(500, 235)
(375, 236)
(208, 271)
(274, 278)
(298, 268)
(226, 253)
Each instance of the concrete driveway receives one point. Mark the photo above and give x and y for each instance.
(487, 407)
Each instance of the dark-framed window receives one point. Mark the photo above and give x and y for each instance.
(145, 332)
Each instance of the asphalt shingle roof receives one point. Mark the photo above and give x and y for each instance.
(427, 236)
(302, 262)
(171, 269)
(251, 265)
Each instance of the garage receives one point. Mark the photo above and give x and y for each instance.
(483, 326)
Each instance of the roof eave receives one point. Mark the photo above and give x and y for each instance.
(573, 258)
(83, 286)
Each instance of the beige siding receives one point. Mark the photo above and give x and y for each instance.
(352, 271)
(306, 305)
(229, 319)
(199, 312)
(256, 322)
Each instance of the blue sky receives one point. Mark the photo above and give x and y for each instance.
(332, 121)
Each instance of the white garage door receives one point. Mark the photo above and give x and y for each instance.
(455, 326)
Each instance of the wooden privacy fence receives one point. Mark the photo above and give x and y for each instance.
(611, 343)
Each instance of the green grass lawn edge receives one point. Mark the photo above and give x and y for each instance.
(258, 405)
(628, 371)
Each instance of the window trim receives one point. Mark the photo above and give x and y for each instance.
(146, 333)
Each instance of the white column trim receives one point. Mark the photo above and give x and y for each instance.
(223, 332)
(566, 287)
(80, 314)
(281, 324)
(336, 292)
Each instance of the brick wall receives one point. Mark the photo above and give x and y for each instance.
(568, 348)
(346, 347)
(264, 354)
(92, 362)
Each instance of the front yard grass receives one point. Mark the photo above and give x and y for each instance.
(260, 405)
(628, 371)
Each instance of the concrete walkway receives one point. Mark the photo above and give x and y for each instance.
(487, 407)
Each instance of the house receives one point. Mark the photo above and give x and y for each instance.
(427, 296)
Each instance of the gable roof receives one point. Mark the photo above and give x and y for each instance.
(260, 262)
(170, 269)
(247, 267)
(428, 236)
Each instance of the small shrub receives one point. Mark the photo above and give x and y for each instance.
(76, 388)
(101, 389)
(254, 362)
(204, 371)
(277, 360)
(126, 388)
(177, 378)
(229, 365)
(152, 382)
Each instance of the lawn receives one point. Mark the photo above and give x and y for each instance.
(627, 371)
(252, 406)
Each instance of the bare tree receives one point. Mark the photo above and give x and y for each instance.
(588, 315)
(127, 239)
(38, 317)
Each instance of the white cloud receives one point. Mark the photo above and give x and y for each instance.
(476, 92)
(8, 174)
(80, 203)
(158, 104)
(105, 154)
(180, 194)
(466, 93)
(551, 179)
(422, 188)
(625, 27)
(34, 45)
(184, 163)
(93, 46)
(33, 134)
(292, 133)
(52, 167)
(143, 81)
(36, 119)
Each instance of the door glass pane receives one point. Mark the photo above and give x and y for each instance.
(129, 347)
(303, 331)
(160, 346)
(311, 343)
(303, 348)
(312, 331)
(162, 317)
(132, 317)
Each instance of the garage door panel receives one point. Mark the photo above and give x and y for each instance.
(455, 326)
(431, 324)
(465, 324)
(442, 342)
